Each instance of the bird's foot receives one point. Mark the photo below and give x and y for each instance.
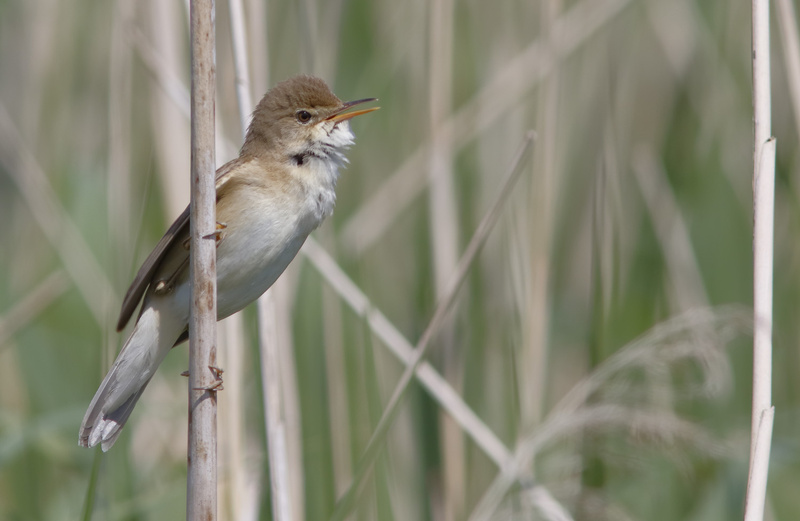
(217, 385)
(218, 234)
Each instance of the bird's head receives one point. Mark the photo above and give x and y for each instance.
(301, 119)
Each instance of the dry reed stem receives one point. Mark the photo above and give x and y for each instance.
(759, 469)
(763, 411)
(244, 498)
(283, 292)
(763, 237)
(503, 93)
(276, 430)
(286, 499)
(235, 351)
(536, 244)
(444, 227)
(337, 387)
(238, 498)
(442, 201)
(201, 496)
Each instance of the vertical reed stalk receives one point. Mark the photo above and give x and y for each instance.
(238, 487)
(276, 428)
(443, 210)
(268, 322)
(763, 225)
(201, 497)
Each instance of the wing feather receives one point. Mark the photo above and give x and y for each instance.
(145, 274)
(179, 228)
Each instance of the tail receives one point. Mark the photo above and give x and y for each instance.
(135, 365)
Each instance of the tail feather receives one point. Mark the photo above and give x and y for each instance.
(105, 427)
(127, 379)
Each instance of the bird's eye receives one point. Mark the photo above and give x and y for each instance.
(303, 116)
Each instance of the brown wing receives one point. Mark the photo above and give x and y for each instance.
(144, 276)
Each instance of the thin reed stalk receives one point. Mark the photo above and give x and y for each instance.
(242, 493)
(763, 232)
(444, 226)
(269, 323)
(201, 497)
(273, 416)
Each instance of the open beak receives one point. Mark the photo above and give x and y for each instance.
(341, 115)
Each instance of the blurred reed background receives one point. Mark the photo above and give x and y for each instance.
(601, 337)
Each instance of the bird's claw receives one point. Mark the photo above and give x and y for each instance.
(217, 385)
(219, 232)
(217, 235)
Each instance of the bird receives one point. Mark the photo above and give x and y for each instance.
(279, 189)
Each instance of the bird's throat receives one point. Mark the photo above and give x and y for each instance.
(318, 174)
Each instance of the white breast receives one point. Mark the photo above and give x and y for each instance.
(252, 255)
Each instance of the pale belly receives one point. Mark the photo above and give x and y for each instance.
(252, 257)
